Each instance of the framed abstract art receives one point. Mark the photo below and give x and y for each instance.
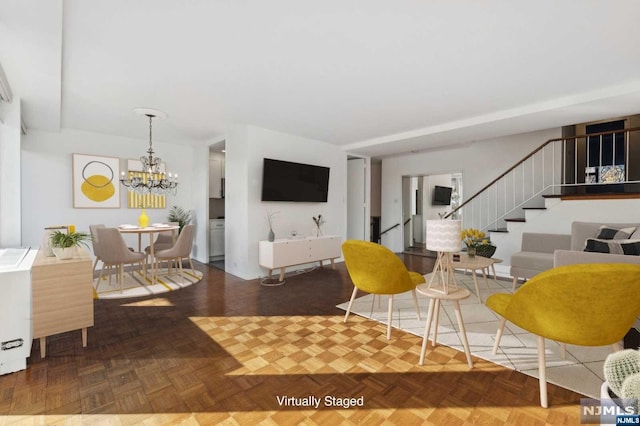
(95, 182)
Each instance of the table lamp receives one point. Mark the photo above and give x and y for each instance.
(443, 237)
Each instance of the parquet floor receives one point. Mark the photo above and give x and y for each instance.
(228, 351)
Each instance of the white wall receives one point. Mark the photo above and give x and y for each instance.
(47, 187)
(479, 163)
(10, 139)
(199, 200)
(236, 203)
(245, 221)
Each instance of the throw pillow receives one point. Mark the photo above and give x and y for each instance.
(627, 247)
(607, 233)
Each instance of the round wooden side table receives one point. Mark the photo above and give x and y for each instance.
(435, 296)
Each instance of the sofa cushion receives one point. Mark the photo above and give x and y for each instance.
(580, 231)
(610, 233)
(628, 247)
(532, 260)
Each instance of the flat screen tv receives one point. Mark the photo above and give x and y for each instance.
(287, 181)
(441, 195)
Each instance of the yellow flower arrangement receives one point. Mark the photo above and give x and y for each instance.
(473, 238)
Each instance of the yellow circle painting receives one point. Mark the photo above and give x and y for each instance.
(97, 187)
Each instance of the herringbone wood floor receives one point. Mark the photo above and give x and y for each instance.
(222, 351)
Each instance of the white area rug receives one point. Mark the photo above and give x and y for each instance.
(136, 285)
(581, 371)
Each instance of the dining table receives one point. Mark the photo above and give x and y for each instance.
(151, 231)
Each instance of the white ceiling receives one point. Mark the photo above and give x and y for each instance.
(376, 77)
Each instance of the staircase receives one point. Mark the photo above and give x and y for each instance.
(560, 168)
(547, 185)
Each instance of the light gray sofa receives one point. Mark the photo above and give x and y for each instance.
(580, 231)
(536, 254)
(540, 251)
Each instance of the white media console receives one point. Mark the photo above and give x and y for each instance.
(282, 253)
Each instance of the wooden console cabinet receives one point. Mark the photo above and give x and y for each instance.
(62, 296)
(297, 251)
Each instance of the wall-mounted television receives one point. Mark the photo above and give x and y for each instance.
(288, 181)
(441, 196)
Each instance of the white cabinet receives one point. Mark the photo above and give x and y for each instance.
(297, 251)
(216, 242)
(16, 315)
(216, 173)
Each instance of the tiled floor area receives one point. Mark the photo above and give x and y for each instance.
(581, 371)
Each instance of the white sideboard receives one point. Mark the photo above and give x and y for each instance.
(282, 253)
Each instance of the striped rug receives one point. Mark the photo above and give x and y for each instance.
(136, 285)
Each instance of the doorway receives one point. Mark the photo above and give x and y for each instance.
(426, 197)
(357, 199)
(217, 205)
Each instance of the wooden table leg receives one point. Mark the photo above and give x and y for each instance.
(84, 337)
(435, 325)
(152, 257)
(475, 281)
(43, 347)
(427, 330)
(484, 274)
(463, 333)
(282, 274)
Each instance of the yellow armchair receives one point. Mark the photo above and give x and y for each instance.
(585, 305)
(377, 270)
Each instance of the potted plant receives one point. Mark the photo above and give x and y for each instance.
(319, 221)
(622, 376)
(477, 242)
(179, 215)
(63, 244)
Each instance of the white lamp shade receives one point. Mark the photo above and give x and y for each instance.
(444, 235)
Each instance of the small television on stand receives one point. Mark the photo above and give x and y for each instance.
(441, 196)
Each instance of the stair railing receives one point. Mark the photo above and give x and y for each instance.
(387, 230)
(547, 171)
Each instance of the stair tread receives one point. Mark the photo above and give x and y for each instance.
(534, 208)
(503, 230)
(516, 219)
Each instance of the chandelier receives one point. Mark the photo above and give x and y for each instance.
(151, 180)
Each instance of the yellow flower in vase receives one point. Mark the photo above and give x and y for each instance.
(477, 242)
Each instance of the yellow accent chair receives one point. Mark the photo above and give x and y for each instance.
(583, 304)
(377, 270)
